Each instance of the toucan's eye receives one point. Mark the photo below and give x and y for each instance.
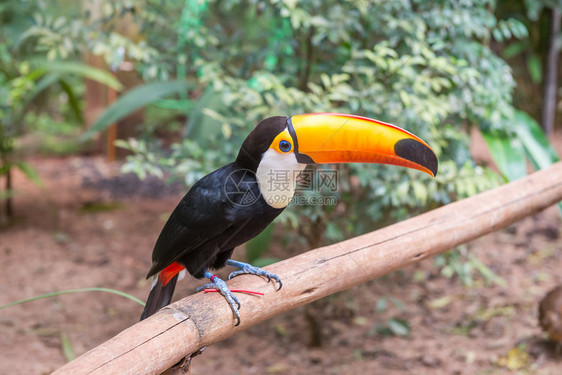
(285, 146)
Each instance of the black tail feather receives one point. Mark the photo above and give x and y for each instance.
(159, 297)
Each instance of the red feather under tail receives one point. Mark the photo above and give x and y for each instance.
(162, 289)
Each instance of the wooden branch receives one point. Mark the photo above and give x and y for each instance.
(155, 344)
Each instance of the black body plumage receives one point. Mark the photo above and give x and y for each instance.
(221, 211)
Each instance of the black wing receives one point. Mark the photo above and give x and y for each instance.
(209, 218)
(199, 217)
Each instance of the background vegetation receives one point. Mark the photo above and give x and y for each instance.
(210, 70)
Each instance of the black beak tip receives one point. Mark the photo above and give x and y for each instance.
(417, 152)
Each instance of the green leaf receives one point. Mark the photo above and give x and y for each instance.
(72, 100)
(487, 272)
(518, 28)
(30, 172)
(440, 302)
(420, 191)
(83, 70)
(132, 100)
(534, 66)
(498, 36)
(180, 105)
(201, 126)
(259, 245)
(514, 49)
(508, 154)
(67, 348)
(399, 327)
(71, 291)
(381, 305)
(535, 142)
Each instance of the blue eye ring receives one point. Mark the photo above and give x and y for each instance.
(285, 146)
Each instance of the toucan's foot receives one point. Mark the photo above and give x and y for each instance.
(246, 268)
(220, 285)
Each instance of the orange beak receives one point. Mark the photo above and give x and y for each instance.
(339, 138)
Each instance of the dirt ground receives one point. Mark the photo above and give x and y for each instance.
(89, 226)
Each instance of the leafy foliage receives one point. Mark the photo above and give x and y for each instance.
(527, 142)
(528, 55)
(24, 78)
(425, 66)
(133, 100)
(458, 262)
(20, 87)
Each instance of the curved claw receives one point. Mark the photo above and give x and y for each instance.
(234, 274)
(238, 306)
(245, 268)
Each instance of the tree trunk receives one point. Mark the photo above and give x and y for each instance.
(9, 208)
(550, 85)
(95, 96)
(98, 96)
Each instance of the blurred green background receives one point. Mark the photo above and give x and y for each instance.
(206, 71)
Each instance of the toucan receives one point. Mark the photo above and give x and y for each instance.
(233, 204)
